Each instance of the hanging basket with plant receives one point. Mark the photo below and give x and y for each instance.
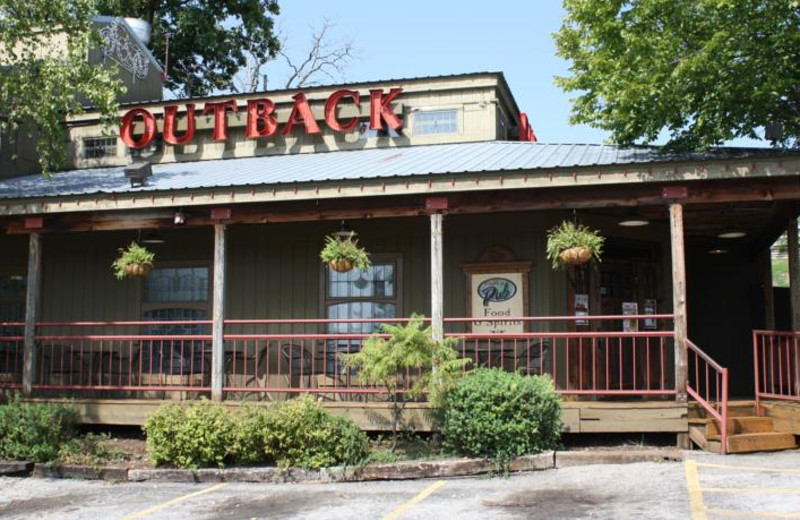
(133, 261)
(342, 253)
(573, 244)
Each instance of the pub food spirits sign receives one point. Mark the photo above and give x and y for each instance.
(497, 296)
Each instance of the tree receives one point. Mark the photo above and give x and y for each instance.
(707, 71)
(324, 57)
(207, 38)
(44, 81)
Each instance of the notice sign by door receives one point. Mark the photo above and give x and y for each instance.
(630, 309)
(498, 297)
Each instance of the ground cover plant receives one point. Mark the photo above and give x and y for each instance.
(501, 415)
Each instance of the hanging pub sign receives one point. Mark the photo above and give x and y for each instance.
(497, 296)
(261, 120)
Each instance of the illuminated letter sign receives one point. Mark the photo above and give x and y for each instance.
(301, 114)
(260, 111)
(127, 128)
(170, 113)
(380, 108)
(330, 110)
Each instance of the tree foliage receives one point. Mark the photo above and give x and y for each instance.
(209, 40)
(42, 82)
(707, 71)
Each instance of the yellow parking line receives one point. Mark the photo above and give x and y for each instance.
(748, 468)
(168, 503)
(730, 513)
(772, 491)
(696, 506)
(414, 501)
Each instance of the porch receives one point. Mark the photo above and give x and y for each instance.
(118, 372)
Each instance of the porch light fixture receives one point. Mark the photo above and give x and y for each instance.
(633, 221)
(153, 238)
(345, 231)
(717, 251)
(179, 218)
(732, 232)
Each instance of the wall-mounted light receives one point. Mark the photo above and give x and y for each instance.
(179, 218)
(153, 238)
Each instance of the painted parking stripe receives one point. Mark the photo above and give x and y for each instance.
(696, 506)
(730, 513)
(163, 505)
(425, 493)
(747, 468)
(766, 491)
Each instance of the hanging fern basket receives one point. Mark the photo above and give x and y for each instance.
(138, 270)
(575, 255)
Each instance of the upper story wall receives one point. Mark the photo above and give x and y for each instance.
(466, 108)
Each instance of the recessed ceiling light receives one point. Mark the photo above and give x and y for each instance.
(732, 233)
(633, 222)
(717, 251)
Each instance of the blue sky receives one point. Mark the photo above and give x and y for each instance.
(414, 38)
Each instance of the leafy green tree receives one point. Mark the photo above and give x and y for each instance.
(209, 40)
(43, 81)
(707, 71)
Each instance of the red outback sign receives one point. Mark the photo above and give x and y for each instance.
(261, 120)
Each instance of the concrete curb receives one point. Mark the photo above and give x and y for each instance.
(407, 470)
(15, 468)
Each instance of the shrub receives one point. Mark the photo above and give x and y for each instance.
(299, 433)
(501, 415)
(34, 431)
(201, 434)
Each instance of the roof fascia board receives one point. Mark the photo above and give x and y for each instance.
(414, 185)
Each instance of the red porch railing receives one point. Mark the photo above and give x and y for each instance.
(775, 357)
(269, 359)
(11, 354)
(708, 385)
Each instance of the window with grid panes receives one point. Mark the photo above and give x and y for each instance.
(97, 147)
(178, 293)
(368, 294)
(435, 122)
(12, 303)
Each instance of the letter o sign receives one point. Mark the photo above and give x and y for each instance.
(126, 130)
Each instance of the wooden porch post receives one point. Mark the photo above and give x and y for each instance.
(31, 312)
(218, 314)
(794, 287)
(679, 299)
(437, 278)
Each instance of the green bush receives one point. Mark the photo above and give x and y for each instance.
(201, 434)
(501, 415)
(299, 433)
(34, 431)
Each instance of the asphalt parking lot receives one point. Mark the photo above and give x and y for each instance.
(705, 487)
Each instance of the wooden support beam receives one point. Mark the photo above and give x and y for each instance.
(679, 299)
(218, 314)
(31, 312)
(437, 278)
(794, 287)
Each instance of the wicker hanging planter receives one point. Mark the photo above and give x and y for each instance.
(138, 270)
(135, 261)
(342, 265)
(575, 255)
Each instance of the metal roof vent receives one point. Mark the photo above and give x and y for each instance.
(138, 173)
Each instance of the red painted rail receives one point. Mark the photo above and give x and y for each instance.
(266, 359)
(777, 365)
(708, 385)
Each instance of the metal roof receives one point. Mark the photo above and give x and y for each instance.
(369, 164)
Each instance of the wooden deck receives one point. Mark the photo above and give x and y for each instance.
(579, 416)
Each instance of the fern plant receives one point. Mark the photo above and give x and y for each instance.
(346, 250)
(569, 235)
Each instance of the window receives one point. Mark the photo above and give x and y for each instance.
(98, 147)
(12, 303)
(155, 146)
(435, 122)
(369, 294)
(176, 294)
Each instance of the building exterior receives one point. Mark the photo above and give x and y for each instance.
(448, 189)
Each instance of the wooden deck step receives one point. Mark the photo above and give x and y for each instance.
(763, 441)
(737, 425)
